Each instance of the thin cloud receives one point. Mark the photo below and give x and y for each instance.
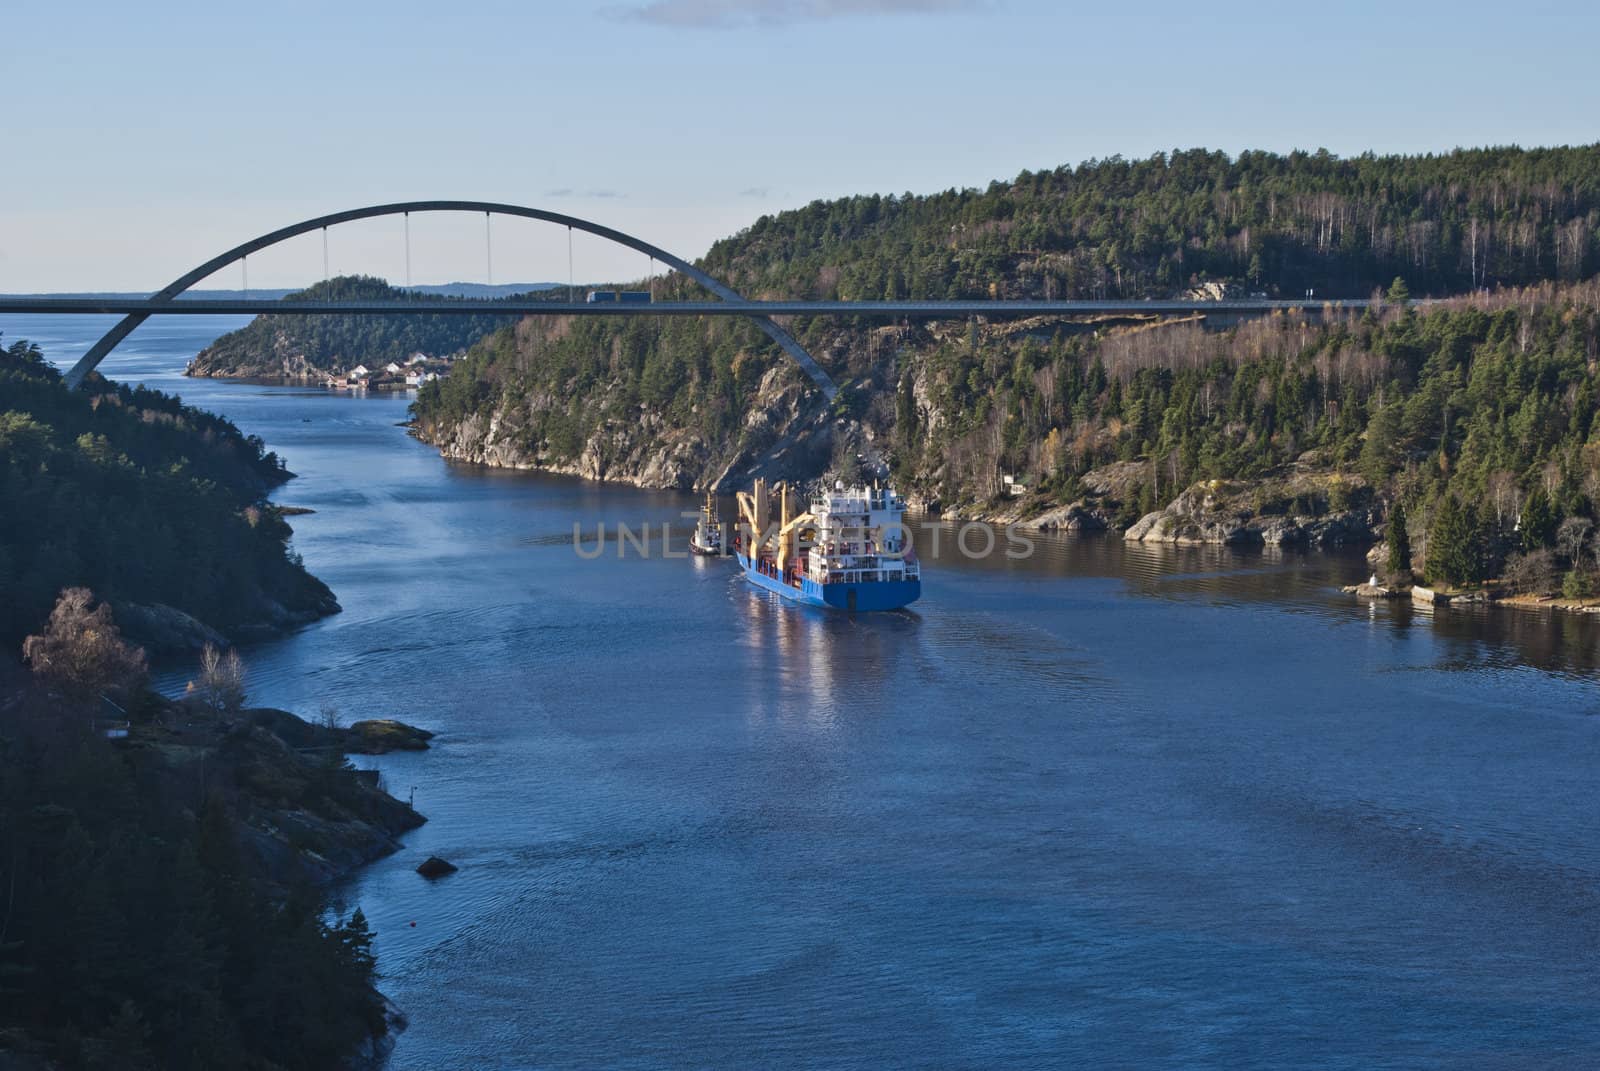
(721, 14)
(568, 191)
(565, 191)
(607, 194)
(755, 191)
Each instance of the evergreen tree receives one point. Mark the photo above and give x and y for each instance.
(1538, 525)
(1399, 542)
(1576, 584)
(124, 1045)
(1454, 555)
(1377, 453)
(129, 493)
(905, 422)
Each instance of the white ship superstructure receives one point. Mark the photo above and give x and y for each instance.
(858, 538)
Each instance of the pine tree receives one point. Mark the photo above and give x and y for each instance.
(906, 412)
(124, 1046)
(355, 936)
(1377, 453)
(1453, 545)
(1538, 526)
(1399, 542)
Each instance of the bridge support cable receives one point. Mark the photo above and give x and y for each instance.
(488, 250)
(90, 360)
(572, 292)
(407, 218)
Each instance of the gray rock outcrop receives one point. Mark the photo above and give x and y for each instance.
(1221, 512)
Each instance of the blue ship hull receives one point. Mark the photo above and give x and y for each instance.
(877, 595)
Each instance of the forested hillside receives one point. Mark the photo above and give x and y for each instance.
(1489, 402)
(299, 346)
(154, 917)
(160, 859)
(145, 500)
(1484, 403)
(1136, 228)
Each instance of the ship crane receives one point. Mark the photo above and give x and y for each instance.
(755, 511)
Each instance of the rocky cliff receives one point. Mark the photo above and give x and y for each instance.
(788, 433)
(264, 350)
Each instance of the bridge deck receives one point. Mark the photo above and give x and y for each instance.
(891, 309)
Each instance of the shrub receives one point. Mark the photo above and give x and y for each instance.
(1577, 584)
(1531, 573)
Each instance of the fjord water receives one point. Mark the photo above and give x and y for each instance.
(1104, 807)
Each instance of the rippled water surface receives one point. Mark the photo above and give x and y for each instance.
(1104, 807)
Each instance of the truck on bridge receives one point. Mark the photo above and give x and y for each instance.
(620, 297)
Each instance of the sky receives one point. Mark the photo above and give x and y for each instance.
(140, 140)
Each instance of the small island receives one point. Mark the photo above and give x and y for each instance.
(391, 352)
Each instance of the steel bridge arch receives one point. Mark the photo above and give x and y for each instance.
(109, 340)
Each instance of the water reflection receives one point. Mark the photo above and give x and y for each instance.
(1288, 578)
(819, 666)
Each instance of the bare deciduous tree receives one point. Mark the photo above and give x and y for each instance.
(220, 685)
(81, 650)
(1533, 573)
(1505, 496)
(1571, 536)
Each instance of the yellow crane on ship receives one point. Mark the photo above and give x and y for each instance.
(755, 509)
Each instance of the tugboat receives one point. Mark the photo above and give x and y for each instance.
(848, 551)
(707, 538)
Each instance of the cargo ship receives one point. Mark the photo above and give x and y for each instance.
(848, 550)
(707, 538)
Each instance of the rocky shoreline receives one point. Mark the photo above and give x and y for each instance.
(1484, 596)
(784, 435)
(1295, 507)
(649, 454)
(301, 814)
(1218, 512)
(163, 629)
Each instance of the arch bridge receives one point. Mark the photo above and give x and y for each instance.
(168, 294)
(729, 303)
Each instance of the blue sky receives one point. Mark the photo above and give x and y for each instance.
(142, 139)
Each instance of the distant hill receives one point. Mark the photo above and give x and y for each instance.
(1112, 228)
(483, 290)
(469, 290)
(188, 295)
(301, 347)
